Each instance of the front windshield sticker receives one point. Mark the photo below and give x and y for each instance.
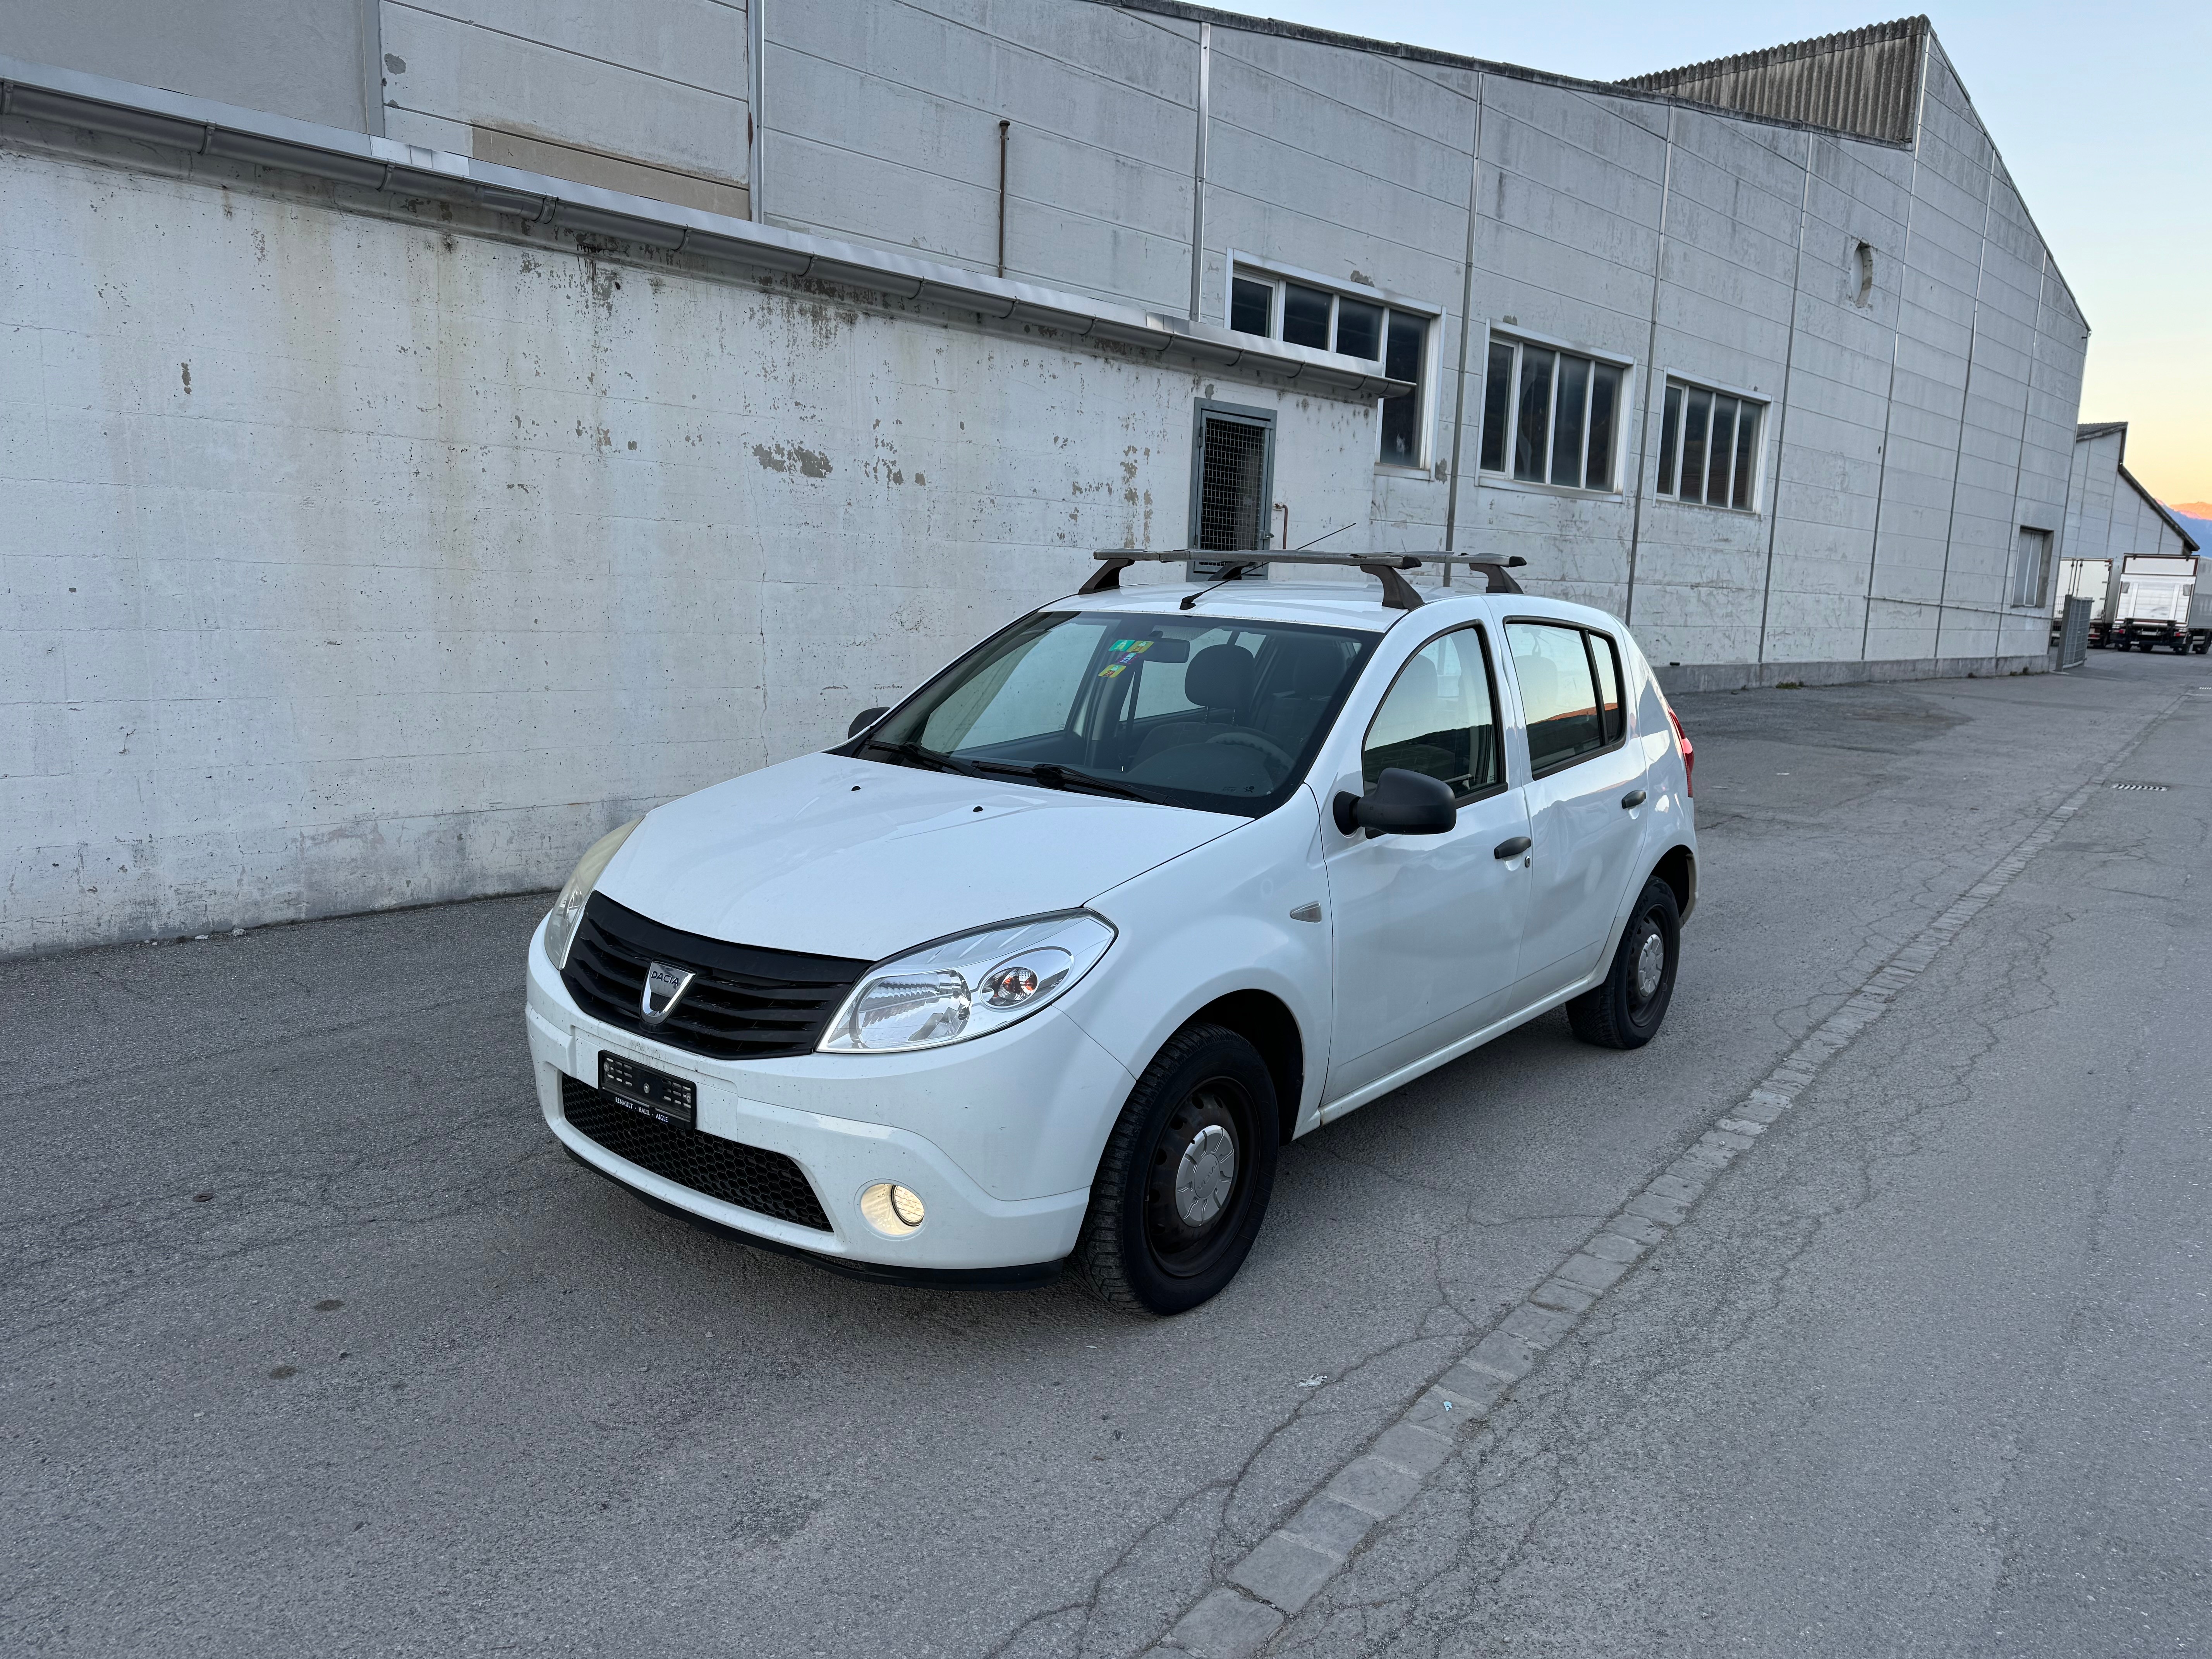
(1124, 652)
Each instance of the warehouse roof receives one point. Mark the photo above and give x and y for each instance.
(1918, 27)
(1864, 81)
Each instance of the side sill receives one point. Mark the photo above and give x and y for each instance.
(1445, 1057)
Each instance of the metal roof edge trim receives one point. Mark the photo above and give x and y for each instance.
(2159, 508)
(2089, 429)
(205, 127)
(1243, 22)
(1934, 45)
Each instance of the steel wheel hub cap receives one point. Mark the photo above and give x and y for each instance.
(1650, 964)
(1208, 1170)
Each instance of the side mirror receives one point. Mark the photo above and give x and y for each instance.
(1402, 803)
(864, 719)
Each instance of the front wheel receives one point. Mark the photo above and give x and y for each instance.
(1186, 1177)
(1624, 1011)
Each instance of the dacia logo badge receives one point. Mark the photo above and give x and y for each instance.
(663, 988)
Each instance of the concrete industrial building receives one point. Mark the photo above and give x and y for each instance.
(2109, 514)
(429, 441)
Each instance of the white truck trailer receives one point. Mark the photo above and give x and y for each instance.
(2151, 605)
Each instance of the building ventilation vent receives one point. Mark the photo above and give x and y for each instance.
(1865, 81)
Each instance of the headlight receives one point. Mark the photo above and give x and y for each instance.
(968, 986)
(568, 908)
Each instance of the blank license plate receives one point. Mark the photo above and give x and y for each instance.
(656, 1094)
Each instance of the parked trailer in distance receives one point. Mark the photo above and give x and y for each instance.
(2152, 606)
(2200, 610)
(2085, 578)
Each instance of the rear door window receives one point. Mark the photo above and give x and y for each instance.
(1559, 693)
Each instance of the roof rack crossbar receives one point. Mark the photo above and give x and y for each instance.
(1398, 593)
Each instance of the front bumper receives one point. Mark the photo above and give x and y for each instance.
(975, 1129)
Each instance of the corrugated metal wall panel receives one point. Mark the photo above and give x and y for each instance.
(1864, 81)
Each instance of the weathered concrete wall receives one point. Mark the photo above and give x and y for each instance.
(662, 82)
(382, 604)
(315, 60)
(353, 560)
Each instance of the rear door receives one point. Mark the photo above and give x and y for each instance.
(1585, 796)
(1428, 926)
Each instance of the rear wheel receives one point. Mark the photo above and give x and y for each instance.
(1186, 1177)
(1625, 1010)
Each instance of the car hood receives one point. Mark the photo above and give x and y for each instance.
(854, 858)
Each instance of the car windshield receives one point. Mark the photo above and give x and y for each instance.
(1222, 715)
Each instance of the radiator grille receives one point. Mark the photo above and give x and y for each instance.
(746, 1004)
(751, 1178)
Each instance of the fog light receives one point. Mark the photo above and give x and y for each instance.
(890, 1209)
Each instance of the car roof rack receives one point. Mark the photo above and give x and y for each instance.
(1398, 593)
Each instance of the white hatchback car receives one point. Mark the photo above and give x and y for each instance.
(1044, 964)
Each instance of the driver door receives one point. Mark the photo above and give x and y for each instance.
(1428, 927)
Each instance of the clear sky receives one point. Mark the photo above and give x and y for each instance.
(2103, 113)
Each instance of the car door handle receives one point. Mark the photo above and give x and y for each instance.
(1511, 849)
(1633, 799)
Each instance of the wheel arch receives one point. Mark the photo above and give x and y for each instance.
(1678, 868)
(1265, 1021)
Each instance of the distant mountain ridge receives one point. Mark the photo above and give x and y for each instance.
(2197, 519)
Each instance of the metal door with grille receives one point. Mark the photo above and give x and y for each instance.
(1233, 482)
(2073, 633)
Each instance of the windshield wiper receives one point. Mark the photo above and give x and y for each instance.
(1061, 777)
(915, 755)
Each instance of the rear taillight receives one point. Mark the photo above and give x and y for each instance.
(1689, 752)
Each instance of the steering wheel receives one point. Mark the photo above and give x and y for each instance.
(1267, 746)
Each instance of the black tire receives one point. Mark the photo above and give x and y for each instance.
(1625, 1010)
(1140, 1249)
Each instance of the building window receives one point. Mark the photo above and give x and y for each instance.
(1302, 312)
(1551, 417)
(2031, 578)
(1401, 415)
(1709, 446)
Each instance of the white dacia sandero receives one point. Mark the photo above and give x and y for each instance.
(1042, 967)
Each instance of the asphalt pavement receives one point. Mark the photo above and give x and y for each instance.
(311, 1339)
